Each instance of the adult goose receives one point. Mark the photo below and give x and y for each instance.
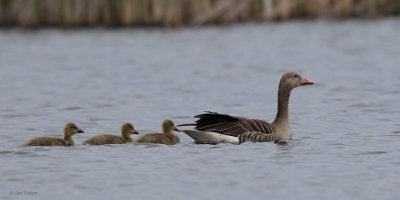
(166, 137)
(126, 131)
(70, 129)
(212, 127)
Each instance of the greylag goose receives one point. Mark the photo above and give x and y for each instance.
(212, 127)
(70, 129)
(126, 131)
(167, 137)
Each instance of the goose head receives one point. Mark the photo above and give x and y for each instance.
(128, 128)
(168, 126)
(71, 129)
(291, 80)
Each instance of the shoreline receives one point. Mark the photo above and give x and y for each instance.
(181, 13)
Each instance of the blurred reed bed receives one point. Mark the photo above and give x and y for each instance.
(73, 13)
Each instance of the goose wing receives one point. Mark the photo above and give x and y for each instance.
(230, 125)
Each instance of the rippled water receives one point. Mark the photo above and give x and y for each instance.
(346, 127)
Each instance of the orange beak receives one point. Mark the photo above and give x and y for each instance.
(305, 81)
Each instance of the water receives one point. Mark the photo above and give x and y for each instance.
(346, 127)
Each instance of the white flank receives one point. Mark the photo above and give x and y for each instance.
(210, 137)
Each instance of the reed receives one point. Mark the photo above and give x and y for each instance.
(173, 13)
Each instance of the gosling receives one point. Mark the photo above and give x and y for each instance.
(70, 129)
(126, 131)
(167, 137)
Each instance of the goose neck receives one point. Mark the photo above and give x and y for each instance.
(282, 115)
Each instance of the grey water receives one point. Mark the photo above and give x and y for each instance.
(346, 127)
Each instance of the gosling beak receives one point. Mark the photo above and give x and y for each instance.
(305, 81)
(136, 132)
(176, 129)
(80, 131)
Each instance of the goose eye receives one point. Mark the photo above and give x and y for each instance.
(296, 76)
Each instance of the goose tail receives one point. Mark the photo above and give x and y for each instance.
(186, 125)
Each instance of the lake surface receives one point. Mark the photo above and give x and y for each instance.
(346, 127)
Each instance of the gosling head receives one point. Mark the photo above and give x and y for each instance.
(291, 80)
(128, 128)
(71, 129)
(168, 126)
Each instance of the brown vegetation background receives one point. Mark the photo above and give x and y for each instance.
(173, 13)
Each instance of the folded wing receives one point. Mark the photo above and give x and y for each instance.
(231, 125)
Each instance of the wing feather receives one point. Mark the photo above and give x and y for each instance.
(231, 125)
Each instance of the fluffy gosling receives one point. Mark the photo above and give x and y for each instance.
(70, 129)
(126, 131)
(167, 137)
